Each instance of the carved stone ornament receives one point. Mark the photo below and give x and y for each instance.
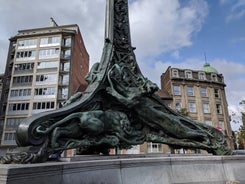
(118, 109)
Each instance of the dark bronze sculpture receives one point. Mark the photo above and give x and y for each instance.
(118, 109)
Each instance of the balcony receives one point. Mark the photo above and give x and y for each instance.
(22, 112)
(23, 72)
(9, 143)
(22, 84)
(65, 57)
(63, 84)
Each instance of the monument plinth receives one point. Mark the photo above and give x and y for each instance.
(143, 169)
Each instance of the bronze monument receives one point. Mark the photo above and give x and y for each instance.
(118, 109)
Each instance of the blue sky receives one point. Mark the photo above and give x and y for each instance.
(166, 33)
(222, 34)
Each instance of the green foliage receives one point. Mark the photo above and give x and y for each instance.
(242, 128)
(183, 111)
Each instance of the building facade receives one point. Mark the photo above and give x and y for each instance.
(1, 83)
(45, 66)
(1, 86)
(199, 94)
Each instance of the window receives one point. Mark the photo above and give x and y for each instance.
(24, 67)
(26, 55)
(22, 80)
(65, 67)
(208, 122)
(154, 147)
(216, 93)
(9, 138)
(50, 41)
(67, 42)
(20, 93)
(201, 76)
(176, 90)
(46, 79)
(63, 93)
(13, 123)
(188, 75)
(30, 43)
(48, 65)
(204, 92)
(66, 54)
(19, 107)
(214, 77)
(64, 79)
(218, 108)
(190, 91)
(43, 105)
(45, 91)
(178, 106)
(175, 73)
(49, 53)
(192, 107)
(206, 108)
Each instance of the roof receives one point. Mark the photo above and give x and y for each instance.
(208, 68)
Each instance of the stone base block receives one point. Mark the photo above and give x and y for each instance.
(129, 169)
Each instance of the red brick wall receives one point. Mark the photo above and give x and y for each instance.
(79, 65)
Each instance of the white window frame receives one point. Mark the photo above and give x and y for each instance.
(188, 74)
(176, 90)
(178, 105)
(204, 92)
(208, 122)
(192, 107)
(206, 108)
(190, 91)
(175, 73)
(201, 76)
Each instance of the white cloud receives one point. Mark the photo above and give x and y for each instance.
(161, 26)
(237, 11)
(157, 26)
(233, 73)
(175, 54)
(224, 1)
(28, 14)
(236, 116)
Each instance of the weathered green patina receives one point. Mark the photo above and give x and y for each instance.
(118, 109)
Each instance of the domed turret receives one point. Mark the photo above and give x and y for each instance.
(208, 68)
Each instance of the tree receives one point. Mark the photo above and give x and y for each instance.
(242, 128)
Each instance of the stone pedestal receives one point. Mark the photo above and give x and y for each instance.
(129, 169)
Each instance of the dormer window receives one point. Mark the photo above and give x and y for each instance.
(188, 74)
(175, 73)
(214, 77)
(201, 76)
